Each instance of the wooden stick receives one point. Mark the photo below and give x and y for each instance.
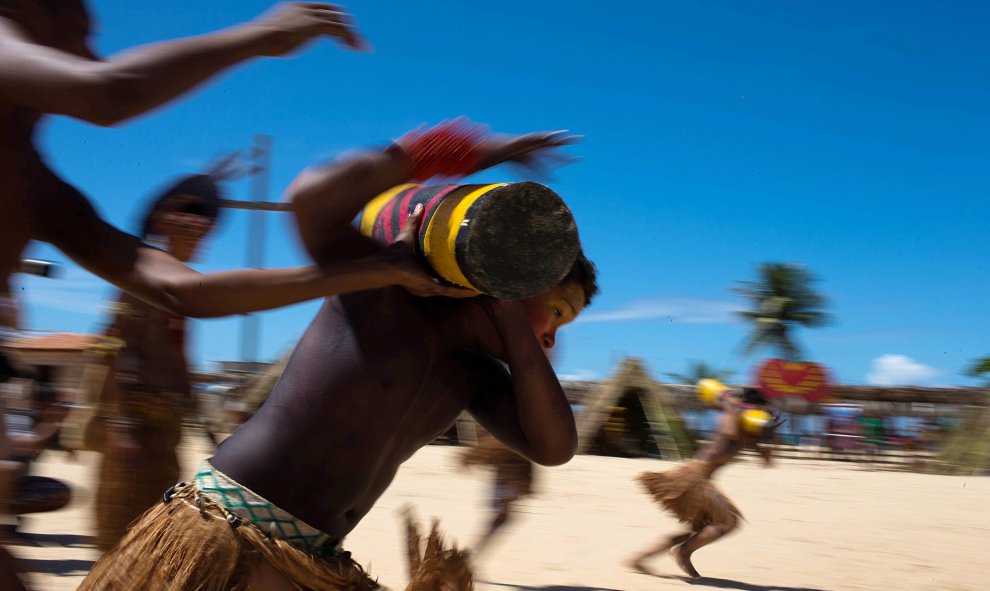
(256, 205)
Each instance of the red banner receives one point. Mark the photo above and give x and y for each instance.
(802, 379)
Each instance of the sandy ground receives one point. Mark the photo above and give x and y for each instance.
(812, 526)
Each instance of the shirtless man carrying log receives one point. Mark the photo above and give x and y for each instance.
(378, 375)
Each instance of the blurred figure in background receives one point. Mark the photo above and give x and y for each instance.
(138, 422)
(9, 470)
(874, 437)
(687, 490)
(512, 482)
(28, 434)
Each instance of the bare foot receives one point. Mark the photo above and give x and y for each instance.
(637, 566)
(683, 560)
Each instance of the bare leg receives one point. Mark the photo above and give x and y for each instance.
(707, 535)
(636, 563)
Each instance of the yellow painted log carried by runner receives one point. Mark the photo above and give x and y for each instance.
(508, 240)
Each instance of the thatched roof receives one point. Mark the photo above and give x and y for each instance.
(912, 394)
(685, 394)
(598, 398)
(577, 391)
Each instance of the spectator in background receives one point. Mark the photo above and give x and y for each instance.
(148, 393)
(37, 431)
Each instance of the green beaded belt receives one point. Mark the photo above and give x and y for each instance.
(244, 504)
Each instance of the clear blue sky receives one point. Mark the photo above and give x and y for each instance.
(851, 137)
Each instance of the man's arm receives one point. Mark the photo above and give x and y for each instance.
(529, 411)
(109, 92)
(762, 446)
(42, 434)
(728, 422)
(326, 199)
(69, 222)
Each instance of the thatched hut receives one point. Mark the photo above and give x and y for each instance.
(631, 414)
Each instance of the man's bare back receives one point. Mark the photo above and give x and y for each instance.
(349, 409)
(353, 406)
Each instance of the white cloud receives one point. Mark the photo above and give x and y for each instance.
(579, 375)
(900, 370)
(681, 310)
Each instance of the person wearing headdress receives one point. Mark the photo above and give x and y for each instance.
(687, 490)
(147, 394)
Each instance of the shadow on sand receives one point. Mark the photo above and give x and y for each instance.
(702, 582)
(717, 583)
(64, 540)
(57, 566)
(547, 587)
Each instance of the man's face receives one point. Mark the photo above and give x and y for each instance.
(550, 310)
(184, 231)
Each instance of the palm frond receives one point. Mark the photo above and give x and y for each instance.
(781, 299)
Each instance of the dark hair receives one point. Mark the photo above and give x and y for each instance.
(753, 396)
(197, 194)
(584, 273)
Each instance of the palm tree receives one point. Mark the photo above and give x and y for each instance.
(782, 298)
(980, 368)
(699, 370)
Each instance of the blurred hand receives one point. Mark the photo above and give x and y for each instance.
(289, 25)
(536, 153)
(407, 269)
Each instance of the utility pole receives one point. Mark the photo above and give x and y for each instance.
(261, 156)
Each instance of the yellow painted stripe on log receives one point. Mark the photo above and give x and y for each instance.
(375, 206)
(442, 239)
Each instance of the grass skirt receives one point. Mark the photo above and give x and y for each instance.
(688, 493)
(192, 543)
(434, 567)
(128, 488)
(129, 485)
